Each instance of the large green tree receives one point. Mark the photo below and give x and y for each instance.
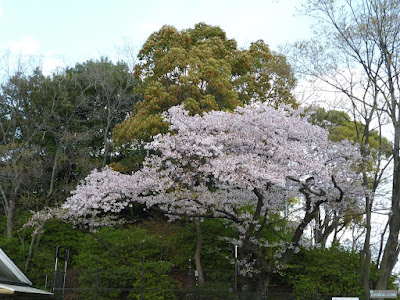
(54, 130)
(23, 113)
(203, 69)
(107, 93)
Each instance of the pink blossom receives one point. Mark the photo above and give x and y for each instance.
(214, 165)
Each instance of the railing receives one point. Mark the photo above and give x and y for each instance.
(130, 283)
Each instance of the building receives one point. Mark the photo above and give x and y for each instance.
(14, 284)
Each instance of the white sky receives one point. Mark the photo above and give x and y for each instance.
(69, 31)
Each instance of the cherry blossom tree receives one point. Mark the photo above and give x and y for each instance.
(242, 167)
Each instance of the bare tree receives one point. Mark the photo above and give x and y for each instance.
(108, 89)
(356, 53)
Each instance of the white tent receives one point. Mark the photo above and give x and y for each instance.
(14, 282)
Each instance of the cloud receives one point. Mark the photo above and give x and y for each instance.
(25, 53)
(25, 46)
(1, 8)
(51, 64)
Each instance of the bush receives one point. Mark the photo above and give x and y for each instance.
(154, 284)
(123, 275)
(333, 271)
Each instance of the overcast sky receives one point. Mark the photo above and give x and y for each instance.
(69, 31)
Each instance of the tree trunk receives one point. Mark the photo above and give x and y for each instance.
(8, 206)
(391, 251)
(197, 253)
(255, 288)
(10, 218)
(106, 144)
(365, 254)
(53, 175)
(390, 254)
(35, 241)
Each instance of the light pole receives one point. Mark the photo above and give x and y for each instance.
(236, 268)
(55, 269)
(66, 257)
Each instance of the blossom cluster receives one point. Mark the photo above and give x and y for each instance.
(212, 164)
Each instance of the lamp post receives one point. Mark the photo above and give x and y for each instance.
(196, 276)
(66, 257)
(236, 268)
(190, 278)
(55, 269)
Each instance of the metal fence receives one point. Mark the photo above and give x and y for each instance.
(131, 283)
(128, 283)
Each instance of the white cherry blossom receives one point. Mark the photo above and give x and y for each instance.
(242, 166)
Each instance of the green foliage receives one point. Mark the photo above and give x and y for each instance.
(217, 252)
(373, 146)
(12, 247)
(149, 279)
(334, 270)
(55, 129)
(203, 69)
(135, 252)
(154, 285)
(167, 246)
(340, 127)
(55, 233)
(130, 245)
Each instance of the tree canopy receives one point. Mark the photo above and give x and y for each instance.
(53, 131)
(203, 70)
